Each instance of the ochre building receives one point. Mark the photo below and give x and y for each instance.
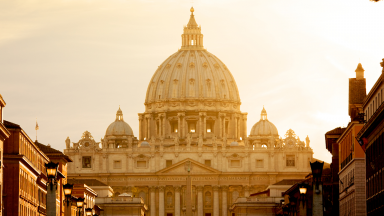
(192, 126)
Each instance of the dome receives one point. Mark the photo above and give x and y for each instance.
(145, 144)
(119, 127)
(192, 73)
(234, 143)
(264, 127)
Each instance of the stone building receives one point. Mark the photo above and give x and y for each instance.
(4, 134)
(371, 137)
(192, 128)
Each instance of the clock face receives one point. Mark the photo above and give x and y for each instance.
(86, 144)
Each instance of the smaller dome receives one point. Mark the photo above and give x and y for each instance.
(234, 143)
(119, 127)
(145, 144)
(264, 127)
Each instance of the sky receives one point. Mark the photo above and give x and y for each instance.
(71, 63)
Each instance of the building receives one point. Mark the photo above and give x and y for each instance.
(371, 139)
(348, 158)
(191, 133)
(265, 202)
(25, 191)
(4, 134)
(57, 156)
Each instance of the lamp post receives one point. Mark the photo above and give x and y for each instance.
(80, 204)
(317, 204)
(51, 169)
(88, 211)
(68, 194)
(292, 203)
(303, 192)
(286, 210)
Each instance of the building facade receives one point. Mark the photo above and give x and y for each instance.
(25, 191)
(192, 128)
(4, 134)
(371, 138)
(350, 166)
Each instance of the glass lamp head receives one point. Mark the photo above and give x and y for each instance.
(80, 202)
(68, 189)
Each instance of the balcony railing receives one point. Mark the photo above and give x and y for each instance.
(346, 161)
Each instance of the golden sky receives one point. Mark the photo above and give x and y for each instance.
(71, 63)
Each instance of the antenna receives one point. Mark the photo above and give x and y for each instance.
(36, 128)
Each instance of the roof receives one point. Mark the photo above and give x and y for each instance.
(49, 151)
(336, 131)
(89, 182)
(12, 125)
(289, 181)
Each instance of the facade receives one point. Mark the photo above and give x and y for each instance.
(25, 191)
(351, 158)
(57, 156)
(192, 128)
(4, 134)
(371, 138)
(84, 191)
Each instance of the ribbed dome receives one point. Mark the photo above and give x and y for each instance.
(119, 127)
(192, 72)
(264, 127)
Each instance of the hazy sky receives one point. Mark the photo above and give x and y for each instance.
(70, 64)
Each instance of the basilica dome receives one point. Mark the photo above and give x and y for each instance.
(119, 127)
(192, 73)
(264, 127)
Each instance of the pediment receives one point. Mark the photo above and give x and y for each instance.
(182, 168)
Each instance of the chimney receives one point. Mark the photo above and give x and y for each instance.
(357, 93)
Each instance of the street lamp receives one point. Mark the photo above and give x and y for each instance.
(68, 192)
(317, 170)
(51, 169)
(88, 211)
(80, 204)
(292, 202)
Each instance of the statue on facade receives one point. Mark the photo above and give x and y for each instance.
(200, 142)
(68, 143)
(189, 140)
(307, 141)
(176, 140)
(130, 142)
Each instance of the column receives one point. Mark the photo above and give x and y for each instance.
(200, 124)
(153, 201)
(224, 210)
(238, 129)
(149, 127)
(245, 125)
(216, 201)
(164, 120)
(177, 201)
(221, 126)
(140, 127)
(236, 137)
(179, 124)
(224, 132)
(161, 200)
(200, 209)
(198, 40)
(205, 125)
(246, 190)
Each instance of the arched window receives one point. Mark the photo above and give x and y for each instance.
(169, 199)
(264, 146)
(143, 195)
(235, 195)
(208, 199)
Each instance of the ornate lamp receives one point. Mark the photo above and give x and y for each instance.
(68, 192)
(285, 210)
(317, 170)
(80, 204)
(88, 211)
(51, 169)
(303, 191)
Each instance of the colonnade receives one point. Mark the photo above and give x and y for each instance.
(199, 206)
(158, 127)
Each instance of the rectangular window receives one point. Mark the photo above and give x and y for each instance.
(210, 127)
(168, 163)
(141, 164)
(87, 162)
(192, 127)
(174, 127)
(235, 163)
(290, 161)
(208, 163)
(259, 163)
(117, 164)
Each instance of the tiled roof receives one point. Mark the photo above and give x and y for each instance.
(47, 149)
(88, 182)
(289, 181)
(8, 124)
(336, 131)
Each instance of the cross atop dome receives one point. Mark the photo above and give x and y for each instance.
(119, 115)
(192, 39)
(263, 114)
